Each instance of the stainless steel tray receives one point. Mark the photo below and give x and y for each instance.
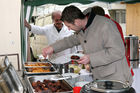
(12, 80)
(37, 64)
(50, 66)
(30, 79)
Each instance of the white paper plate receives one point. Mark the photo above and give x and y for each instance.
(76, 54)
(65, 58)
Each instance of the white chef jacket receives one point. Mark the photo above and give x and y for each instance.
(53, 35)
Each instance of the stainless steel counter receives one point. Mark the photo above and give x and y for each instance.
(135, 84)
(75, 78)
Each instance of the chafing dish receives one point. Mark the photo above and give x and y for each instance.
(12, 80)
(31, 80)
(107, 86)
(37, 64)
(39, 68)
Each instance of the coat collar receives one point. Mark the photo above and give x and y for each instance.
(90, 18)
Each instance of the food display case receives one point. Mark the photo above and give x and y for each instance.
(48, 84)
(44, 77)
(39, 68)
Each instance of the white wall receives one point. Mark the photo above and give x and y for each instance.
(10, 28)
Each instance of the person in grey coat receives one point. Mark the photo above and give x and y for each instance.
(101, 41)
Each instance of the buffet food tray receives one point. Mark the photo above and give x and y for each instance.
(39, 68)
(12, 80)
(48, 84)
(37, 64)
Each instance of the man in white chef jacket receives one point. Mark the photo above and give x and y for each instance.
(53, 32)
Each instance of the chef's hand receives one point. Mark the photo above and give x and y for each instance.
(47, 51)
(84, 60)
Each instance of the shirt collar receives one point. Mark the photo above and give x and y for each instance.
(58, 29)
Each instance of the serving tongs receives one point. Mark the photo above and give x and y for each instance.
(47, 60)
(61, 78)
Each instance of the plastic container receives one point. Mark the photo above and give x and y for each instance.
(77, 89)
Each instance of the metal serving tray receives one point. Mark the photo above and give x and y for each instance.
(30, 79)
(12, 80)
(48, 66)
(37, 64)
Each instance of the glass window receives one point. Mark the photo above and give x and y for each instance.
(118, 15)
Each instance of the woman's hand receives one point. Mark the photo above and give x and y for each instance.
(84, 60)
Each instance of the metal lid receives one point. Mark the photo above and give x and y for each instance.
(6, 61)
(131, 37)
(13, 82)
(107, 86)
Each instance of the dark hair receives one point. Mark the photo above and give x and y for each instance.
(70, 13)
(98, 10)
